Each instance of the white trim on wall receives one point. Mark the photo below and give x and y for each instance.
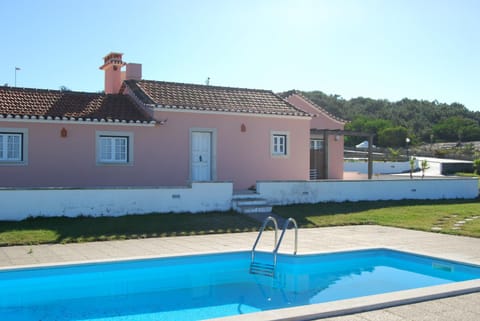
(85, 121)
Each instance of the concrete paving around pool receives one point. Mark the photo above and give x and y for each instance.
(318, 240)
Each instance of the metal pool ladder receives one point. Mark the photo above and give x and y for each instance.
(268, 269)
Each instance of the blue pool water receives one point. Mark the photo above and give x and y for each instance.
(209, 286)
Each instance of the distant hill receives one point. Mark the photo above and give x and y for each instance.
(424, 121)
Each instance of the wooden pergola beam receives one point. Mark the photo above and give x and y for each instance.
(341, 132)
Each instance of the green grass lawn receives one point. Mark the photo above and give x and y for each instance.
(85, 229)
(419, 215)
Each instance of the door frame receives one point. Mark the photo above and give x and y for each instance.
(213, 151)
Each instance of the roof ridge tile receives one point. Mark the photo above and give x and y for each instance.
(210, 98)
(58, 105)
(204, 86)
(321, 109)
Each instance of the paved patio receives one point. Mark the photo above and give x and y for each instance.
(463, 307)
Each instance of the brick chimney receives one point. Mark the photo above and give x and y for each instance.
(114, 76)
(134, 71)
(112, 65)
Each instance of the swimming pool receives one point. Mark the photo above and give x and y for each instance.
(215, 285)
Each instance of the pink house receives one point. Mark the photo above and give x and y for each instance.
(326, 140)
(153, 133)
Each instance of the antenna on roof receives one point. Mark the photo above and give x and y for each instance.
(207, 82)
(16, 69)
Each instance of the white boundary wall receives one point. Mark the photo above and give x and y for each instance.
(378, 167)
(17, 204)
(294, 192)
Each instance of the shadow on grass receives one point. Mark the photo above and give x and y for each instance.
(80, 229)
(40, 230)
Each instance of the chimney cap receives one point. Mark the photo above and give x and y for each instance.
(113, 54)
(113, 58)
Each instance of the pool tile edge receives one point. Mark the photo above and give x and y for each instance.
(361, 304)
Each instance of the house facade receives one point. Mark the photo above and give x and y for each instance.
(326, 138)
(150, 133)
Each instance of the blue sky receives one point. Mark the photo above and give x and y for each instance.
(420, 49)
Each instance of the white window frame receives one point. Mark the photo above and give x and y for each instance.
(317, 144)
(115, 138)
(22, 134)
(280, 144)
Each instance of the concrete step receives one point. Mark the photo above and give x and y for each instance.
(249, 201)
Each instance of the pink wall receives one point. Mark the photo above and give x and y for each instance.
(335, 157)
(243, 157)
(161, 152)
(54, 161)
(324, 121)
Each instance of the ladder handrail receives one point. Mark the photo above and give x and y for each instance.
(285, 226)
(268, 219)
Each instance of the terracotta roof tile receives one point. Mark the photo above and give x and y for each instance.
(211, 98)
(289, 93)
(27, 102)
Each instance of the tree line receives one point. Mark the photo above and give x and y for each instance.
(421, 121)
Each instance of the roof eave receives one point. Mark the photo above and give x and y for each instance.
(64, 119)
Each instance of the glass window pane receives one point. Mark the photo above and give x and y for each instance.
(105, 149)
(120, 149)
(13, 147)
(10, 147)
(114, 149)
(279, 144)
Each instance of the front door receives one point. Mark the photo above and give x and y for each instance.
(201, 156)
(317, 159)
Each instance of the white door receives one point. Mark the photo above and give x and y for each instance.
(201, 156)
